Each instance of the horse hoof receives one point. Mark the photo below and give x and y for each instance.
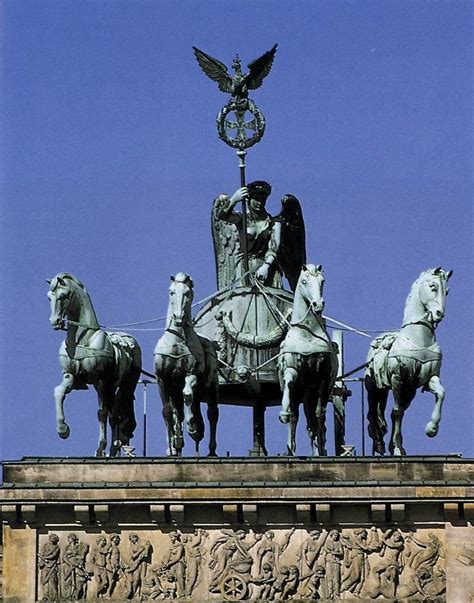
(431, 429)
(99, 453)
(284, 417)
(212, 453)
(64, 431)
(399, 451)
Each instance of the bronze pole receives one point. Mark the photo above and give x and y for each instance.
(241, 153)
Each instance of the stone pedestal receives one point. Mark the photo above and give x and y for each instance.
(238, 529)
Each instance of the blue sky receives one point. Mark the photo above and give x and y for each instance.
(110, 161)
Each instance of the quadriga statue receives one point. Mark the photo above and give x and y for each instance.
(111, 362)
(407, 360)
(186, 371)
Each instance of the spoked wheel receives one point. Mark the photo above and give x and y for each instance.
(234, 588)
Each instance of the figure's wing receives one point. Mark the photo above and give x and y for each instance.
(226, 245)
(260, 68)
(214, 69)
(292, 250)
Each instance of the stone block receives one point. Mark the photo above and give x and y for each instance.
(451, 512)
(323, 513)
(177, 514)
(378, 513)
(81, 514)
(249, 513)
(157, 514)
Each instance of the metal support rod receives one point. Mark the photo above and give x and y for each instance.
(363, 415)
(339, 401)
(241, 154)
(145, 382)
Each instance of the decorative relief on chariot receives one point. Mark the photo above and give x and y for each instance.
(233, 565)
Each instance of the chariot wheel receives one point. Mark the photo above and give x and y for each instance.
(234, 588)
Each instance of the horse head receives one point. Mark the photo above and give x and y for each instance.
(61, 296)
(181, 297)
(310, 286)
(432, 292)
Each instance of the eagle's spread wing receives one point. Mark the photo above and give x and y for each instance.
(214, 69)
(260, 68)
(292, 250)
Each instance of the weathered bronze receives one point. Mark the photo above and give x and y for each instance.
(111, 362)
(307, 364)
(186, 371)
(276, 245)
(234, 133)
(407, 360)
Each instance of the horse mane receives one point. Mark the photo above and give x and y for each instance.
(65, 276)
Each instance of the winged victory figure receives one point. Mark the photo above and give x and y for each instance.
(278, 241)
(239, 84)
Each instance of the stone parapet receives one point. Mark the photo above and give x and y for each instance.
(238, 529)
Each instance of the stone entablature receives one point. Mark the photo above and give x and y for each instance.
(288, 528)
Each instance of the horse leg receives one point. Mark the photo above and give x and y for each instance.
(289, 379)
(434, 386)
(192, 410)
(122, 413)
(102, 415)
(311, 422)
(377, 402)
(60, 392)
(291, 444)
(403, 394)
(213, 417)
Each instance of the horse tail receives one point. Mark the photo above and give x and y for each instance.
(128, 357)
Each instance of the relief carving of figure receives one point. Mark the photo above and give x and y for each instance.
(114, 567)
(316, 586)
(334, 553)
(194, 545)
(419, 576)
(270, 551)
(286, 583)
(99, 560)
(175, 563)
(135, 566)
(230, 552)
(48, 562)
(159, 584)
(265, 580)
(384, 573)
(75, 575)
(356, 548)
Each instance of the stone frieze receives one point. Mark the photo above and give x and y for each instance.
(227, 564)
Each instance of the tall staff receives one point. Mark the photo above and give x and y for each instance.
(248, 124)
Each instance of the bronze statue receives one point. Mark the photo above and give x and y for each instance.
(407, 360)
(275, 245)
(238, 85)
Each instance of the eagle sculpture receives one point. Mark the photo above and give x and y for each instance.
(239, 84)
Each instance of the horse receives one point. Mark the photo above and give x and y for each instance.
(186, 371)
(307, 363)
(406, 360)
(111, 362)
